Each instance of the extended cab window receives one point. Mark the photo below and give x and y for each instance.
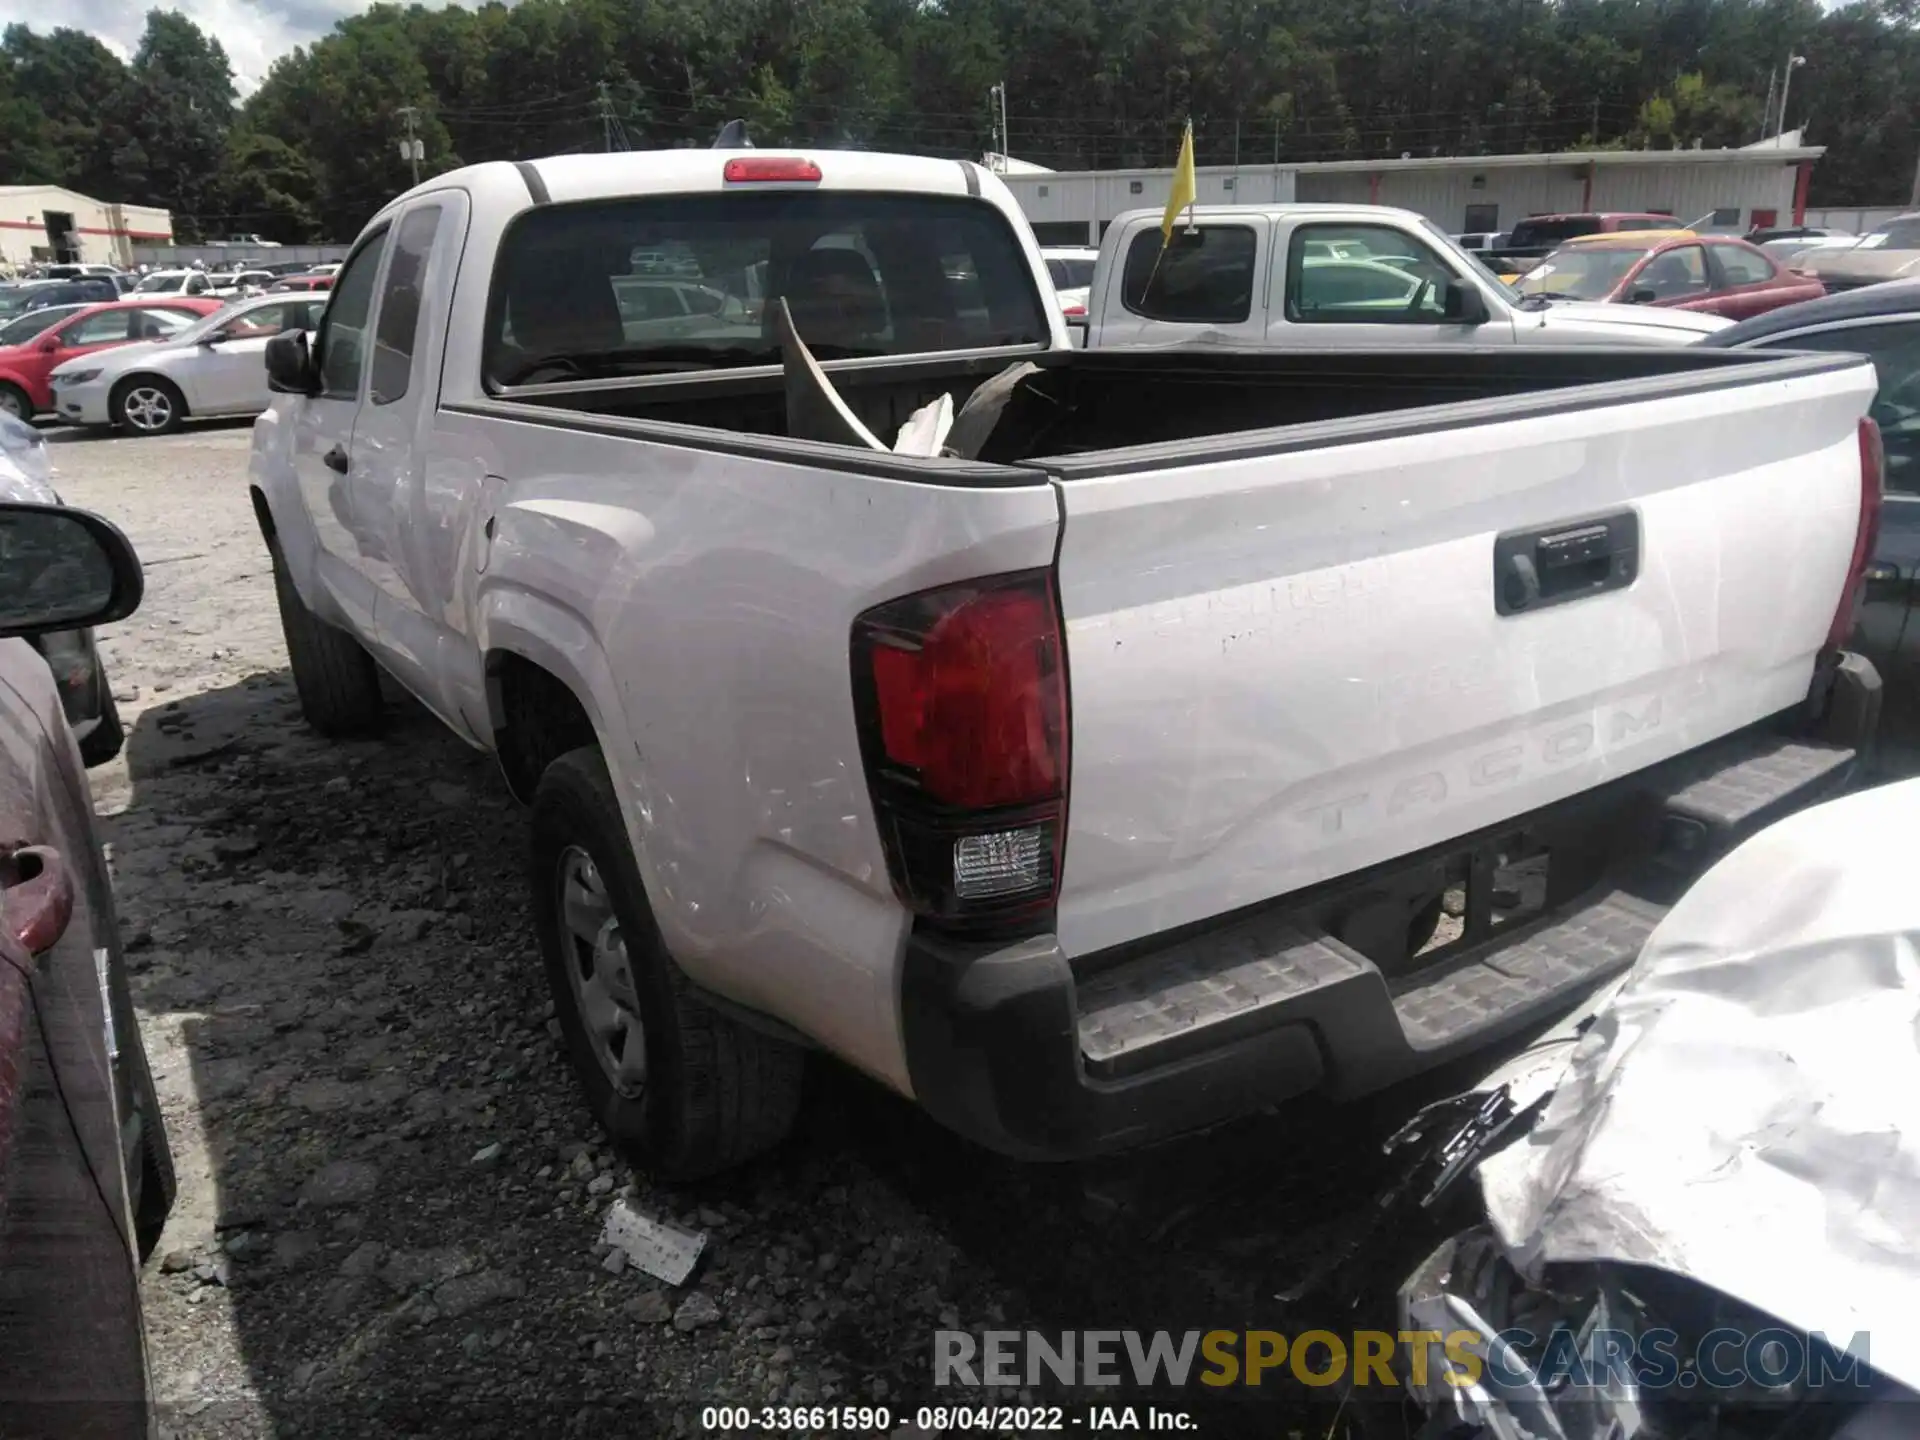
(659, 284)
(1364, 275)
(343, 330)
(1205, 276)
(398, 324)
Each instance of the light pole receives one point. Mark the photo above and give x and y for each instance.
(1794, 62)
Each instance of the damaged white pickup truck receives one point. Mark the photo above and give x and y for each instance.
(1197, 730)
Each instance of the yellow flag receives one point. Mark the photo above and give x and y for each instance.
(1184, 187)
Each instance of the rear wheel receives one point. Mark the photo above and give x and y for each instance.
(338, 683)
(152, 1182)
(104, 741)
(14, 401)
(148, 405)
(682, 1088)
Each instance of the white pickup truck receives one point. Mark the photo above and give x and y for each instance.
(1334, 276)
(1202, 729)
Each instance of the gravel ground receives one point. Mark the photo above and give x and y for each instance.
(390, 1191)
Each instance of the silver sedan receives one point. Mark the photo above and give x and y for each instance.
(216, 366)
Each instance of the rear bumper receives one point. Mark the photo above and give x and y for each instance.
(1028, 1054)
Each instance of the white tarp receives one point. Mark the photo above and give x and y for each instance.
(1747, 1110)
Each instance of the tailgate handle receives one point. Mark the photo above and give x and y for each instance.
(37, 900)
(1569, 560)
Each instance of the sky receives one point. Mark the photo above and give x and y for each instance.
(254, 32)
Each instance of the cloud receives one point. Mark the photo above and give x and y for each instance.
(254, 33)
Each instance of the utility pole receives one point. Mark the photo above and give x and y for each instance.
(1794, 62)
(1593, 131)
(412, 149)
(606, 118)
(997, 98)
(1773, 91)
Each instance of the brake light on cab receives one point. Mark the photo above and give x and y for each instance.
(1873, 473)
(961, 697)
(770, 169)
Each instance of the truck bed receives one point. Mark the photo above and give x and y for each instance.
(1084, 402)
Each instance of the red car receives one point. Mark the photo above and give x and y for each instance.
(304, 282)
(1714, 273)
(86, 1176)
(24, 369)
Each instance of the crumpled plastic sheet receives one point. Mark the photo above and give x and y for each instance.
(1746, 1112)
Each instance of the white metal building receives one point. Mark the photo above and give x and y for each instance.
(46, 222)
(1728, 190)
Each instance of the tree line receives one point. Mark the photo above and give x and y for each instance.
(316, 148)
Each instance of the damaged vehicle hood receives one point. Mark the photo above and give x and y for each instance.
(1744, 1111)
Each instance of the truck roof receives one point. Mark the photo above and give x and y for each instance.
(1317, 209)
(565, 178)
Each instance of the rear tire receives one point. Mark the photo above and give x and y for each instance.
(338, 683)
(14, 401)
(700, 1092)
(105, 740)
(156, 1185)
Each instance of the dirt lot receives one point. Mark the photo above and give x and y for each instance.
(391, 1194)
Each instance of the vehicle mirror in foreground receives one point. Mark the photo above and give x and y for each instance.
(1643, 296)
(1464, 305)
(63, 569)
(50, 344)
(290, 364)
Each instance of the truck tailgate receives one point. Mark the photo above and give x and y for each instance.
(1289, 662)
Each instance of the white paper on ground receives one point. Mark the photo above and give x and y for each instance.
(1747, 1111)
(664, 1251)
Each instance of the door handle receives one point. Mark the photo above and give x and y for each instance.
(37, 898)
(336, 459)
(1878, 572)
(1570, 560)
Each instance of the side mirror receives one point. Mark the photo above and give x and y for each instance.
(1464, 305)
(1642, 296)
(290, 369)
(50, 344)
(63, 569)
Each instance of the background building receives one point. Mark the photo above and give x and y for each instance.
(45, 222)
(1726, 190)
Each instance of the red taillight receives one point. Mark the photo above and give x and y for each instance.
(764, 168)
(1073, 309)
(962, 698)
(1873, 471)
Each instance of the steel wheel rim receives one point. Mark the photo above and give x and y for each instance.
(147, 408)
(599, 972)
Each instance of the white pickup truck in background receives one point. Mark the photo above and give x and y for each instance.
(1334, 276)
(1206, 728)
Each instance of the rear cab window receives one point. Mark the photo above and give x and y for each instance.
(671, 283)
(1203, 276)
